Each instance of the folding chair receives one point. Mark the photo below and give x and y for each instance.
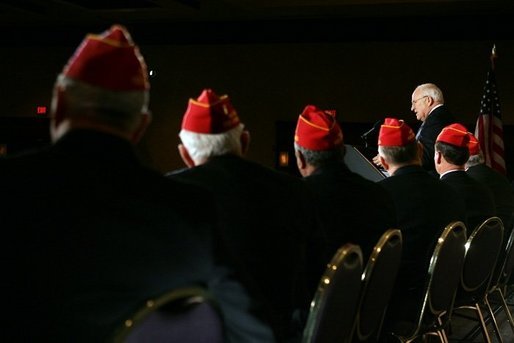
(378, 281)
(482, 249)
(332, 311)
(500, 280)
(181, 315)
(443, 278)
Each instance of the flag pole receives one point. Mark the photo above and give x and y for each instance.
(494, 56)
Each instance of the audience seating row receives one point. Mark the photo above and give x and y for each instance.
(351, 300)
(459, 277)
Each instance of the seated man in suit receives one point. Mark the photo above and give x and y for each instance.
(424, 207)
(90, 233)
(451, 155)
(267, 218)
(497, 183)
(353, 209)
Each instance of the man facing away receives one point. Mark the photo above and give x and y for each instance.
(498, 184)
(90, 234)
(353, 209)
(424, 207)
(267, 218)
(451, 155)
(427, 103)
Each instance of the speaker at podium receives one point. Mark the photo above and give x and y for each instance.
(358, 163)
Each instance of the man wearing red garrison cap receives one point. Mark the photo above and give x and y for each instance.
(451, 155)
(268, 220)
(91, 234)
(496, 182)
(353, 209)
(424, 206)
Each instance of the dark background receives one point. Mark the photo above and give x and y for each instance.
(361, 58)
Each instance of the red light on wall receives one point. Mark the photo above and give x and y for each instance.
(41, 110)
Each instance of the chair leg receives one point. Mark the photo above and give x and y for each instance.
(493, 318)
(506, 309)
(441, 331)
(442, 336)
(482, 323)
(436, 333)
(402, 340)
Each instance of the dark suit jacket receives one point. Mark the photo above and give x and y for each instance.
(352, 208)
(477, 197)
(428, 132)
(269, 221)
(90, 235)
(424, 207)
(501, 190)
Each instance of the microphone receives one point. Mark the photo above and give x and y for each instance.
(375, 127)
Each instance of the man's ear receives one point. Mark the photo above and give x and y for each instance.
(383, 162)
(58, 113)
(438, 157)
(184, 154)
(245, 141)
(144, 120)
(300, 161)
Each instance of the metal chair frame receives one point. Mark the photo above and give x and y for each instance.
(390, 242)
(341, 279)
(478, 292)
(499, 285)
(457, 231)
(190, 295)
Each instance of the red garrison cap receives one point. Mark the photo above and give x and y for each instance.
(395, 132)
(454, 134)
(210, 114)
(109, 60)
(474, 145)
(317, 129)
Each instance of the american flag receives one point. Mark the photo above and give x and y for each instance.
(489, 128)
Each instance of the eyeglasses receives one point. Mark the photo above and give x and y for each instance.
(418, 99)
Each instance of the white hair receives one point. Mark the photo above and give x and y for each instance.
(202, 146)
(431, 90)
(474, 160)
(120, 109)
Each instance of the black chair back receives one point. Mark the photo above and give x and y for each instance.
(182, 315)
(333, 308)
(378, 282)
(499, 284)
(445, 270)
(482, 249)
(505, 263)
(443, 278)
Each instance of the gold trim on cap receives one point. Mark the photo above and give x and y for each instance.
(109, 41)
(454, 129)
(317, 126)
(203, 104)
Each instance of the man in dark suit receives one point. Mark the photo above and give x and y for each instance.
(498, 184)
(353, 209)
(90, 234)
(424, 207)
(451, 154)
(268, 218)
(427, 103)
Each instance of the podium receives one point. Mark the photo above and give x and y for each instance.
(358, 163)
